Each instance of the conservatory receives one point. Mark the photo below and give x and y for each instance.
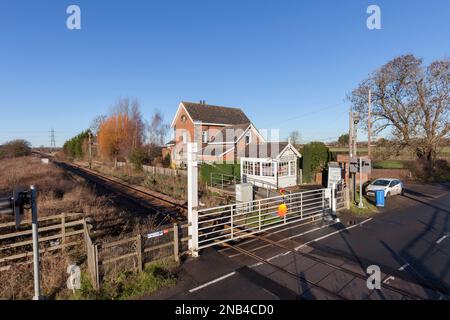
(271, 165)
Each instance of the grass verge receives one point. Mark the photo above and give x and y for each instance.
(129, 285)
(368, 209)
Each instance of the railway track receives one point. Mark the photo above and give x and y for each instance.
(289, 273)
(165, 209)
(279, 243)
(338, 268)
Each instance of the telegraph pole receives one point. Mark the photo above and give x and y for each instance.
(369, 125)
(90, 150)
(350, 134)
(350, 152)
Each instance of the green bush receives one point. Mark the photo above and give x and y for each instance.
(315, 157)
(74, 147)
(137, 158)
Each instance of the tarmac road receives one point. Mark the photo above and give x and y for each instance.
(409, 241)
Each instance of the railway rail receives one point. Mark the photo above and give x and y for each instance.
(291, 274)
(269, 242)
(337, 267)
(165, 209)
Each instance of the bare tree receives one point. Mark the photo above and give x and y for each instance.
(96, 123)
(295, 138)
(157, 129)
(411, 100)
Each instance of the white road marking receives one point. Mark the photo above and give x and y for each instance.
(442, 238)
(403, 267)
(332, 233)
(389, 279)
(289, 238)
(276, 256)
(213, 281)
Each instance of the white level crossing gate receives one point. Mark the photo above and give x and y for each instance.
(230, 222)
(211, 226)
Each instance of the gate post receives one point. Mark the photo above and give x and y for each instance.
(192, 176)
(333, 199)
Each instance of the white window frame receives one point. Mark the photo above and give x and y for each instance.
(283, 169)
(249, 136)
(265, 172)
(184, 137)
(292, 168)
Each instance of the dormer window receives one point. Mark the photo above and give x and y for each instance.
(248, 138)
(205, 136)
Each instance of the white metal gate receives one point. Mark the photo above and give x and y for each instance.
(230, 222)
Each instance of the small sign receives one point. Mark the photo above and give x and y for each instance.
(334, 176)
(157, 233)
(74, 280)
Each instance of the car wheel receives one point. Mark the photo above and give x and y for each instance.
(402, 192)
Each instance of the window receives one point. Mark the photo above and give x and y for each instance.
(257, 168)
(205, 136)
(292, 168)
(283, 168)
(248, 137)
(247, 167)
(267, 169)
(183, 118)
(184, 137)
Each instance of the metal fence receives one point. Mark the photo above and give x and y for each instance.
(230, 222)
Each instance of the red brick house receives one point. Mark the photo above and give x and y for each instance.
(222, 133)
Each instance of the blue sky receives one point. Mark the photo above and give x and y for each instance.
(288, 64)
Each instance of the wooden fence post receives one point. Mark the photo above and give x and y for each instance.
(96, 269)
(175, 243)
(63, 231)
(139, 252)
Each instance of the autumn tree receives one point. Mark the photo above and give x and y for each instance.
(410, 99)
(113, 134)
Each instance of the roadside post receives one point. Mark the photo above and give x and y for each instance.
(192, 176)
(34, 228)
(14, 206)
(360, 205)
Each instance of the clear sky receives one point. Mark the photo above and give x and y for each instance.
(288, 64)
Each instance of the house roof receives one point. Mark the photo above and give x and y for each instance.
(215, 114)
(268, 150)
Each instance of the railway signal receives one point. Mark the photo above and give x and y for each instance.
(15, 206)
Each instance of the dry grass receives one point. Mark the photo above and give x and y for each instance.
(173, 186)
(58, 192)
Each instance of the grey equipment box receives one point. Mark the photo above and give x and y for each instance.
(244, 192)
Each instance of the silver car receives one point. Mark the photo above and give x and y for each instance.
(388, 185)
